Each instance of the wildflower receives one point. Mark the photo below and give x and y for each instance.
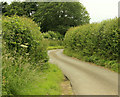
(24, 46)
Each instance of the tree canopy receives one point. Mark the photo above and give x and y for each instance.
(19, 8)
(51, 16)
(59, 16)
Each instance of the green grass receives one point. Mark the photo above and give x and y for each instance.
(47, 83)
(55, 47)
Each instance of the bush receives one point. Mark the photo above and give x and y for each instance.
(53, 35)
(51, 42)
(46, 35)
(22, 36)
(23, 54)
(53, 39)
(97, 41)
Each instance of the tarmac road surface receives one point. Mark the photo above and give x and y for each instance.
(86, 78)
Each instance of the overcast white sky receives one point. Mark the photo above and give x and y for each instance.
(99, 9)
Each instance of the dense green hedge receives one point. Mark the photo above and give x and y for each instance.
(97, 42)
(23, 53)
(22, 36)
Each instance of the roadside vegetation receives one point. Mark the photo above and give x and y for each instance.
(30, 29)
(25, 67)
(97, 43)
(53, 40)
(0, 73)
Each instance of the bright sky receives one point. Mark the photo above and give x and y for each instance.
(99, 9)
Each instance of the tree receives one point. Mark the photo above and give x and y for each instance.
(4, 5)
(59, 16)
(19, 8)
(51, 16)
(14, 8)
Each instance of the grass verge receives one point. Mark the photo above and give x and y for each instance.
(110, 64)
(55, 47)
(46, 82)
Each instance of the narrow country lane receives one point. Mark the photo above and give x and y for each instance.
(86, 78)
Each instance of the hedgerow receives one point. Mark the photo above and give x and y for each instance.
(22, 36)
(97, 42)
(23, 53)
(52, 35)
(52, 38)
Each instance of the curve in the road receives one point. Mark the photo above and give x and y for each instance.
(86, 79)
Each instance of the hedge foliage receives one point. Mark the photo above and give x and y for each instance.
(95, 42)
(23, 53)
(53, 39)
(22, 36)
(52, 35)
